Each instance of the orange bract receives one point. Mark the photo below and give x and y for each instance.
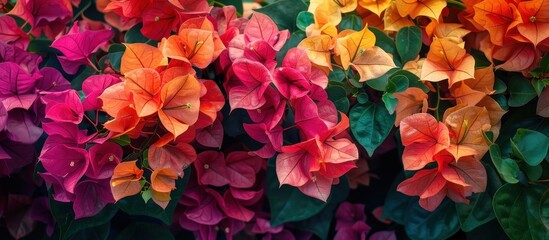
(141, 55)
(447, 60)
(163, 180)
(144, 84)
(318, 49)
(375, 6)
(352, 46)
(411, 101)
(467, 125)
(415, 8)
(373, 63)
(125, 180)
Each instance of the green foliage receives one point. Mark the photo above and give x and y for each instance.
(520, 91)
(144, 230)
(304, 19)
(338, 96)
(408, 43)
(371, 123)
(351, 21)
(284, 13)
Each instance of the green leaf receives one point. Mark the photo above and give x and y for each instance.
(115, 59)
(135, 205)
(397, 83)
(41, 45)
(337, 75)
(117, 47)
(146, 195)
(319, 224)
(123, 140)
(304, 19)
(520, 91)
(530, 146)
(134, 35)
(381, 82)
(100, 232)
(362, 98)
(490, 230)
(144, 230)
(499, 86)
(516, 208)
(481, 61)
(338, 96)
(544, 209)
(69, 227)
(532, 172)
(390, 102)
(287, 203)
(507, 168)
(370, 124)
(284, 13)
(82, 74)
(350, 21)
(408, 43)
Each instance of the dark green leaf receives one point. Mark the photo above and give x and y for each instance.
(337, 75)
(490, 230)
(100, 232)
(69, 227)
(351, 21)
(304, 19)
(477, 212)
(115, 60)
(319, 224)
(338, 96)
(284, 13)
(530, 146)
(117, 47)
(408, 43)
(143, 230)
(442, 223)
(516, 209)
(287, 203)
(135, 205)
(381, 83)
(84, 73)
(544, 209)
(532, 172)
(520, 91)
(41, 45)
(397, 83)
(123, 140)
(370, 125)
(134, 35)
(507, 168)
(481, 61)
(362, 98)
(499, 86)
(386, 43)
(390, 102)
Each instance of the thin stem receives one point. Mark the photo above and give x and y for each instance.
(92, 122)
(437, 112)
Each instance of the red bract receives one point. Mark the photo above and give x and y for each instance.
(16, 86)
(93, 87)
(261, 27)
(313, 164)
(254, 80)
(63, 106)
(91, 196)
(71, 167)
(11, 33)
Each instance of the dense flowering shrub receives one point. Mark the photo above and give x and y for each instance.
(357, 119)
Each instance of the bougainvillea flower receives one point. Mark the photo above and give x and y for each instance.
(78, 45)
(128, 8)
(377, 7)
(415, 8)
(115, 99)
(318, 48)
(423, 137)
(317, 161)
(91, 196)
(66, 134)
(412, 100)
(261, 27)
(242, 169)
(63, 106)
(516, 56)
(271, 112)
(162, 183)
(70, 163)
(12, 34)
(28, 61)
(49, 17)
(198, 46)
(52, 81)
(125, 180)
(297, 58)
(56, 182)
(447, 60)
(177, 155)
(20, 127)
(211, 169)
(180, 99)
(497, 17)
(327, 14)
(211, 136)
(255, 79)
(466, 125)
(204, 208)
(93, 87)
(103, 159)
(211, 103)
(272, 138)
(392, 21)
(141, 55)
(354, 44)
(144, 84)
(373, 63)
(16, 86)
(455, 179)
(465, 95)
(159, 20)
(291, 83)
(261, 51)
